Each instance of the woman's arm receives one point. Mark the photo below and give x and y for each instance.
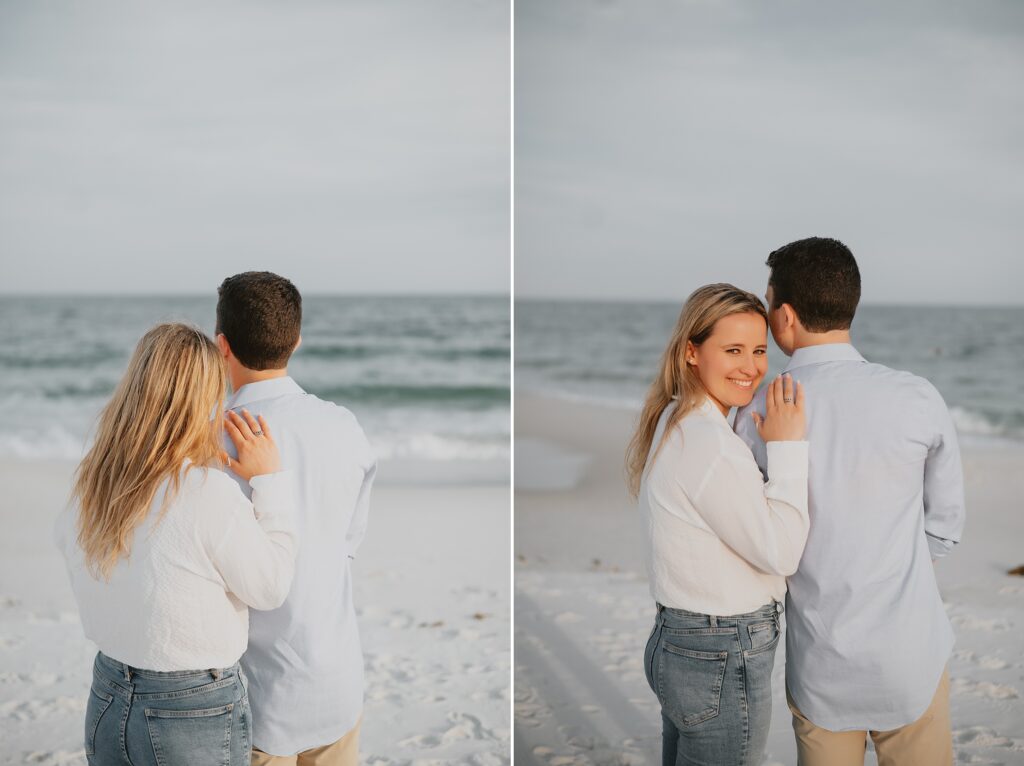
(765, 523)
(256, 554)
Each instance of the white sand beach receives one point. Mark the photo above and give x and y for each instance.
(583, 611)
(432, 590)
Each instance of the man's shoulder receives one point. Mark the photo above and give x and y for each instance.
(899, 381)
(297, 407)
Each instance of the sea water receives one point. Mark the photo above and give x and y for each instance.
(609, 353)
(427, 377)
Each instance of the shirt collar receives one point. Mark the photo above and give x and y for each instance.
(263, 389)
(827, 352)
(709, 408)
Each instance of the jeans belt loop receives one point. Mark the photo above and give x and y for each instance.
(216, 674)
(712, 621)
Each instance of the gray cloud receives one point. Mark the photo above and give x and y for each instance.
(661, 145)
(356, 146)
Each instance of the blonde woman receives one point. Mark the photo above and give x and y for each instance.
(719, 540)
(166, 554)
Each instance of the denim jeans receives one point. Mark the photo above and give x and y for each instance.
(713, 678)
(141, 717)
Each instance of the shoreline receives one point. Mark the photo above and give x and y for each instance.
(973, 439)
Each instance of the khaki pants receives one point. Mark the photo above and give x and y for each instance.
(344, 752)
(928, 741)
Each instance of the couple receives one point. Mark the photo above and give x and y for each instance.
(847, 499)
(175, 534)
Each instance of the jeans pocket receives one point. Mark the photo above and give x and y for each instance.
(763, 636)
(690, 683)
(191, 736)
(98, 703)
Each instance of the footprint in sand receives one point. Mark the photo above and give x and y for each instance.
(985, 662)
(487, 759)
(420, 741)
(36, 679)
(983, 736)
(471, 592)
(962, 686)
(551, 758)
(57, 758)
(36, 709)
(465, 726)
(976, 623)
(529, 709)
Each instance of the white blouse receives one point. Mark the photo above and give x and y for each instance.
(179, 601)
(719, 540)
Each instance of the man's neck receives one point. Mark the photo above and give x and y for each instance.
(804, 339)
(243, 376)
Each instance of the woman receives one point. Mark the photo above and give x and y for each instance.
(165, 554)
(719, 540)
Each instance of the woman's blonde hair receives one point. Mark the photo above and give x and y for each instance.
(677, 380)
(160, 415)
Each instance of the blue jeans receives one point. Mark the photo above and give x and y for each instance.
(141, 717)
(713, 678)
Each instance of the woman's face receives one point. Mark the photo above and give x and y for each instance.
(733, 359)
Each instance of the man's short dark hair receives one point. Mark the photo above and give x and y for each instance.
(260, 314)
(819, 278)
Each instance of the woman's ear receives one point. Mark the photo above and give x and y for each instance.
(690, 354)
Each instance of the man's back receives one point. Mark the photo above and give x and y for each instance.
(867, 637)
(304, 660)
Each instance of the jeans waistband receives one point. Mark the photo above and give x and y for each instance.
(121, 671)
(771, 610)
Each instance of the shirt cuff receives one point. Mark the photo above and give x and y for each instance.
(939, 546)
(787, 460)
(272, 493)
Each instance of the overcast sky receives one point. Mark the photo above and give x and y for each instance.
(355, 146)
(664, 145)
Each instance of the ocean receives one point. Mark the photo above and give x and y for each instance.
(427, 377)
(609, 353)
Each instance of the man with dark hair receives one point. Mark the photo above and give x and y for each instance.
(868, 639)
(304, 661)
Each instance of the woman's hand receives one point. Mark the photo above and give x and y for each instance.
(257, 452)
(784, 420)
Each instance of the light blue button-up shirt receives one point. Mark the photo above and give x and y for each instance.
(867, 634)
(304, 661)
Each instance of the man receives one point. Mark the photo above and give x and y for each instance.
(304, 661)
(867, 638)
